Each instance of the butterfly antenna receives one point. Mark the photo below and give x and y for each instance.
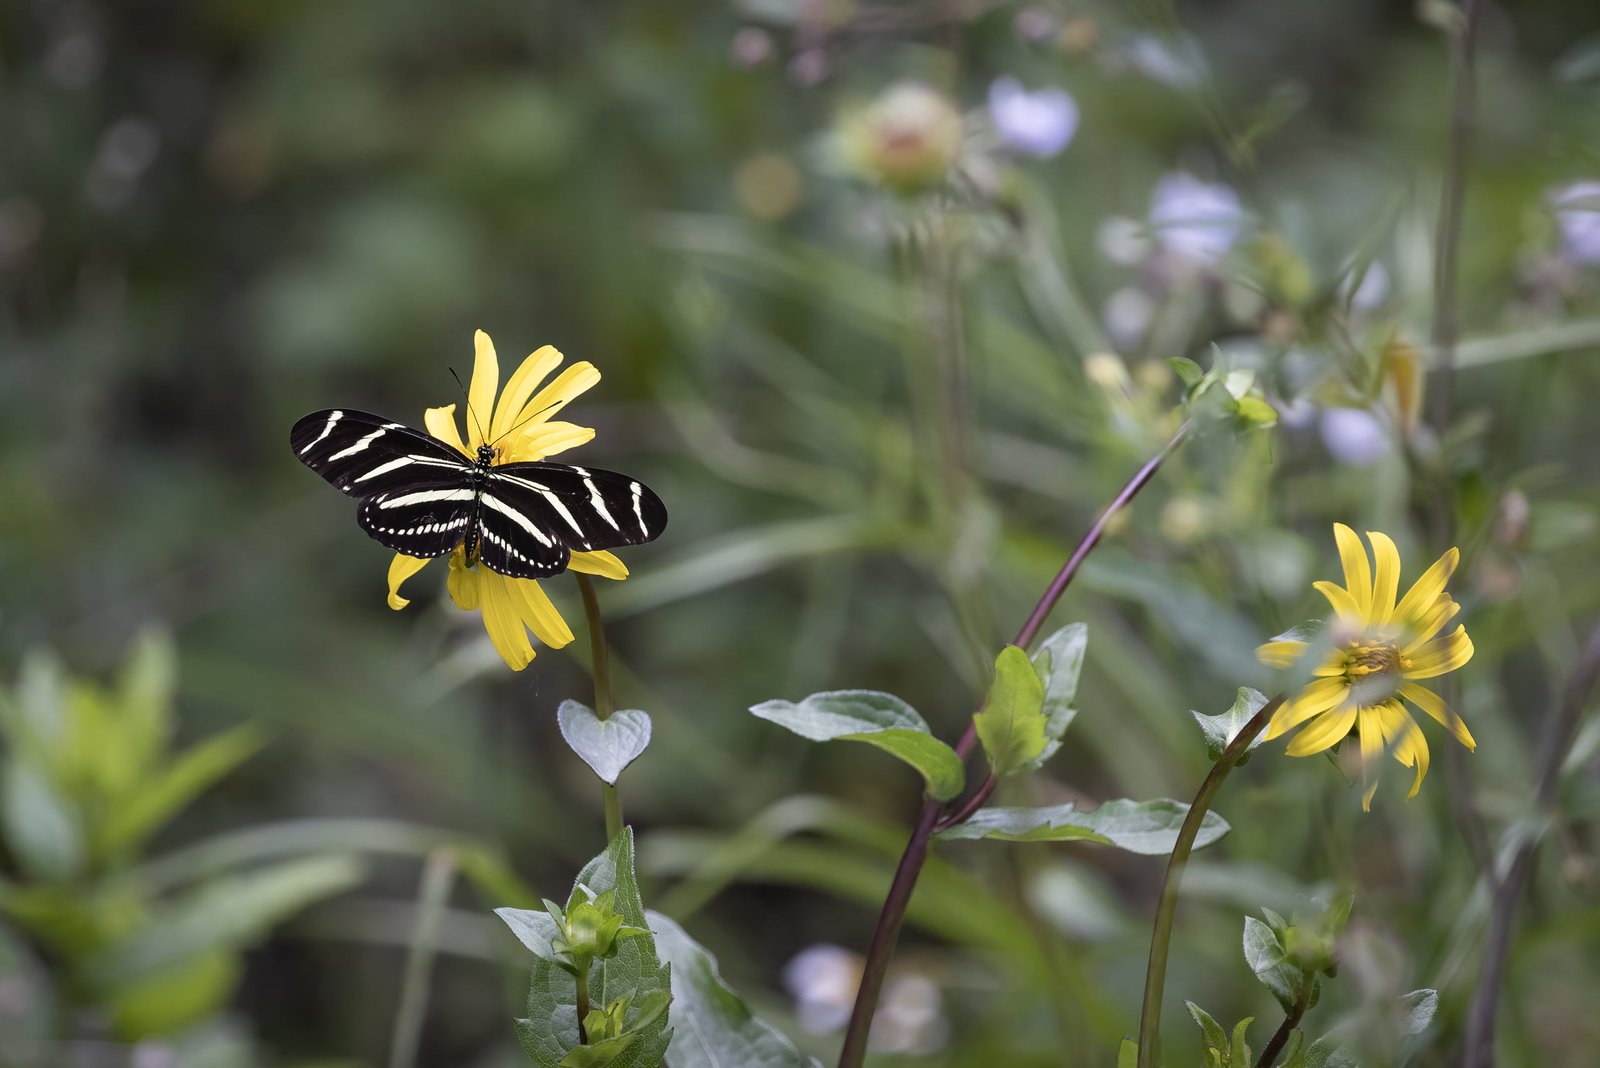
(472, 415)
(530, 418)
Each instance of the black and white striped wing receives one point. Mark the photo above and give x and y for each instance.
(532, 516)
(415, 492)
(364, 454)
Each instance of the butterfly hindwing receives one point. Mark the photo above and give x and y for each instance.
(423, 522)
(516, 532)
(365, 455)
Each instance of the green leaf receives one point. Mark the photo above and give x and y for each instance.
(1220, 730)
(146, 687)
(1059, 663)
(606, 745)
(228, 913)
(600, 1055)
(1148, 827)
(1190, 372)
(1011, 725)
(1270, 962)
(1215, 1037)
(1238, 1051)
(1419, 1007)
(714, 1025)
(1128, 1054)
(549, 1033)
(879, 719)
(1255, 411)
(42, 828)
(161, 796)
(534, 928)
(169, 1001)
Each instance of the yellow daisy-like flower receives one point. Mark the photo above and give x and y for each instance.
(1382, 648)
(522, 430)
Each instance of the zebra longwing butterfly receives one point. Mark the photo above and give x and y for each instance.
(422, 498)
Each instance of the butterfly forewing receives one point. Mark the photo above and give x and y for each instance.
(365, 455)
(588, 508)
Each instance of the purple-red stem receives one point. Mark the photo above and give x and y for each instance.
(892, 917)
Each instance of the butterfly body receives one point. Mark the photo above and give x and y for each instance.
(420, 497)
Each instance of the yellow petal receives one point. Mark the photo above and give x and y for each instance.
(1344, 603)
(1426, 590)
(1314, 699)
(463, 585)
(599, 562)
(1324, 731)
(480, 394)
(1409, 746)
(1443, 714)
(504, 624)
(1429, 623)
(401, 568)
(1357, 571)
(1371, 750)
(567, 386)
(520, 387)
(534, 608)
(1386, 580)
(441, 423)
(1280, 654)
(1441, 655)
(538, 439)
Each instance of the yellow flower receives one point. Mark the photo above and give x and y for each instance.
(1381, 649)
(520, 426)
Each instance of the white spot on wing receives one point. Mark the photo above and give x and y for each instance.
(426, 497)
(638, 507)
(360, 445)
(597, 501)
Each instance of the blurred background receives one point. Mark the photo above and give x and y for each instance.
(884, 296)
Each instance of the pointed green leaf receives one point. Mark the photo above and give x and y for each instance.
(534, 928)
(1211, 1031)
(1238, 1051)
(164, 793)
(1186, 369)
(1128, 1054)
(606, 745)
(1148, 827)
(714, 1025)
(1268, 960)
(1221, 730)
(1011, 725)
(42, 827)
(879, 719)
(1059, 663)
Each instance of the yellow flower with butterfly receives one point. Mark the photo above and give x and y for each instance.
(489, 500)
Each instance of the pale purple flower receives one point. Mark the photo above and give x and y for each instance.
(1039, 123)
(1195, 220)
(823, 979)
(1354, 436)
(1577, 208)
(1374, 288)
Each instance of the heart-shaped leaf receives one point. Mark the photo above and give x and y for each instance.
(606, 745)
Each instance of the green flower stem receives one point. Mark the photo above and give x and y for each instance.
(432, 898)
(893, 914)
(581, 979)
(1155, 978)
(1280, 1037)
(600, 661)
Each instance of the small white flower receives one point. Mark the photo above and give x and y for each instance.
(1160, 62)
(1123, 240)
(1195, 220)
(1127, 314)
(1577, 209)
(1040, 123)
(1354, 436)
(823, 980)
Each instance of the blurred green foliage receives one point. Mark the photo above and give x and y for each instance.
(216, 217)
